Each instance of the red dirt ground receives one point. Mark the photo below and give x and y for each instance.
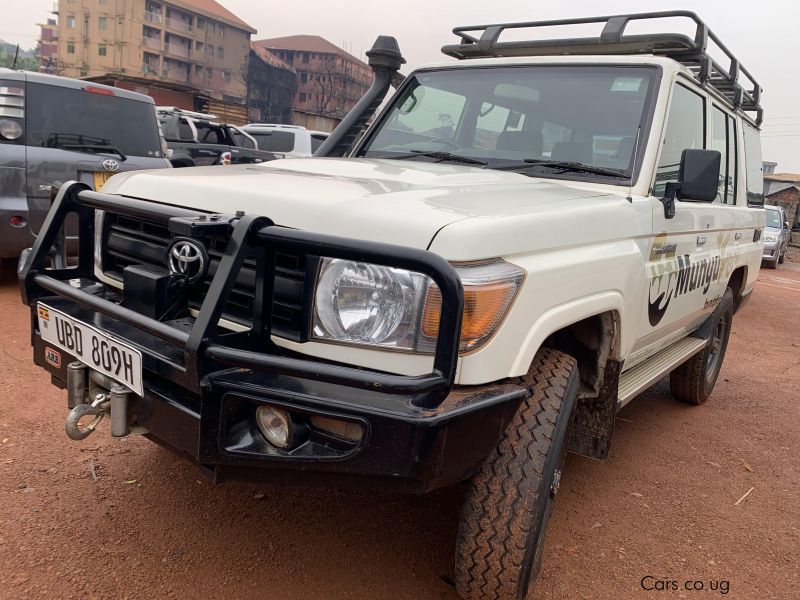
(662, 505)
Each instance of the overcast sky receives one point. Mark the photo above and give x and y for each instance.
(764, 35)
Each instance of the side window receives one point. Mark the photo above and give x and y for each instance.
(733, 161)
(552, 134)
(492, 120)
(685, 129)
(721, 142)
(752, 157)
(437, 116)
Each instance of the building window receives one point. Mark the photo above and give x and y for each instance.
(226, 76)
(221, 31)
(210, 50)
(83, 73)
(201, 23)
(303, 77)
(198, 70)
(103, 1)
(101, 50)
(302, 97)
(305, 57)
(70, 47)
(220, 53)
(102, 22)
(71, 22)
(209, 73)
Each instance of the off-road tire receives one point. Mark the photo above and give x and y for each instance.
(782, 258)
(772, 264)
(508, 505)
(694, 380)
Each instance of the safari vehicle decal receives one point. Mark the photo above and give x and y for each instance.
(674, 275)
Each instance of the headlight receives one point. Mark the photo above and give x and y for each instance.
(372, 305)
(10, 130)
(770, 237)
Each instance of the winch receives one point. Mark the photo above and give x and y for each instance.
(90, 393)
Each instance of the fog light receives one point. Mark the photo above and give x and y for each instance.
(343, 429)
(17, 221)
(275, 425)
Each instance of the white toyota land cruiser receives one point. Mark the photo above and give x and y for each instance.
(523, 241)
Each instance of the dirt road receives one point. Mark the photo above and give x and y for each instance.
(126, 519)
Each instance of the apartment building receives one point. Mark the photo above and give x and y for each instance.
(185, 44)
(47, 46)
(329, 80)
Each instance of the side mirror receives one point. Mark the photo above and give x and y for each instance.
(698, 179)
(786, 225)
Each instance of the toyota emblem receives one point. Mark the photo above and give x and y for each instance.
(110, 165)
(187, 258)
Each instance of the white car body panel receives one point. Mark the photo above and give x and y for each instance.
(586, 248)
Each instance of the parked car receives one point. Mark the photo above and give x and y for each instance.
(776, 236)
(59, 129)
(434, 301)
(198, 139)
(290, 140)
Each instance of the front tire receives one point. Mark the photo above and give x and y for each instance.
(505, 515)
(782, 258)
(694, 380)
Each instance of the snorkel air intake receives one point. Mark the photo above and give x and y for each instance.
(385, 60)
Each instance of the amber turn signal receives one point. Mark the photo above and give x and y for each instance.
(489, 290)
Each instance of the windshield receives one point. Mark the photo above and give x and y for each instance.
(504, 115)
(774, 219)
(59, 117)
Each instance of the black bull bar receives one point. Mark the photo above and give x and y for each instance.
(205, 349)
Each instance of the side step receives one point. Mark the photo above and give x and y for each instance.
(643, 375)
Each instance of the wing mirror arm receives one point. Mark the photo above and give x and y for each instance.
(670, 193)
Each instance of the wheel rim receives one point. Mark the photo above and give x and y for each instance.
(716, 348)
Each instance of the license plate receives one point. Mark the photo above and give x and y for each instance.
(100, 179)
(95, 349)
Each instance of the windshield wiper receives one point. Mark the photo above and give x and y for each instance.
(94, 148)
(564, 165)
(441, 157)
(86, 143)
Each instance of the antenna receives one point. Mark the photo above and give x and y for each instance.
(16, 56)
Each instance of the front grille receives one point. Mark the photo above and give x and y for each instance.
(128, 241)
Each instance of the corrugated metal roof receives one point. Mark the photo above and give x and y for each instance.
(269, 58)
(306, 43)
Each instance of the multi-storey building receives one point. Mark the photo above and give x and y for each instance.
(188, 44)
(329, 80)
(47, 46)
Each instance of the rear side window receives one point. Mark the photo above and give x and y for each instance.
(58, 117)
(316, 141)
(723, 139)
(12, 112)
(274, 141)
(752, 157)
(685, 130)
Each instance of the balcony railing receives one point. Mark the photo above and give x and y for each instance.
(178, 50)
(179, 25)
(152, 17)
(154, 43)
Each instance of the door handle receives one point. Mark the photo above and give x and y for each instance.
(738, 235)
(702, 239)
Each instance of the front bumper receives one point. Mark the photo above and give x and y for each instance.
(771, 251)
(202, 385)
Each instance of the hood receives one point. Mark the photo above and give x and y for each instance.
(399, 202)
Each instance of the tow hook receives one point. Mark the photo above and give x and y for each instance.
(99, 408)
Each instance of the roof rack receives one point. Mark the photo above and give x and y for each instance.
(481, 41)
